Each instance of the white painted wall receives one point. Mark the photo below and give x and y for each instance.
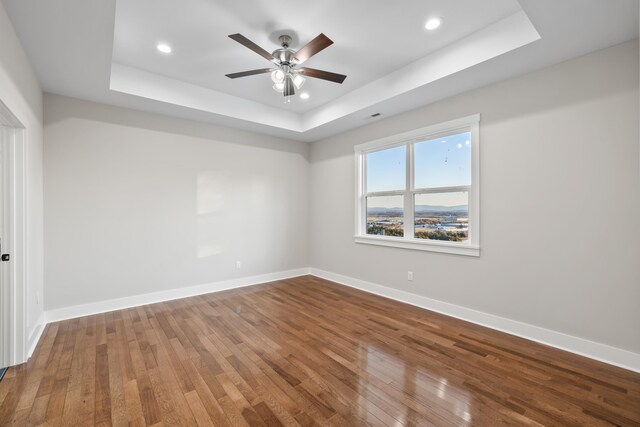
(20, 91)
(560, 202)
(139, 203)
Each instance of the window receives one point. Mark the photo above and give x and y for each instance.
(419, 190)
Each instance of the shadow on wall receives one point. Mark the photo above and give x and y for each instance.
(70, 108)
(16, 77)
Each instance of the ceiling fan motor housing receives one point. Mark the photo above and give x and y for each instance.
(284, 55)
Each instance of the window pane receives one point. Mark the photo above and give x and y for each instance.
(385, 216)
(442, 216)
(443, 162)
(386, 170)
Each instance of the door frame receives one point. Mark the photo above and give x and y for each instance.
(14, 336)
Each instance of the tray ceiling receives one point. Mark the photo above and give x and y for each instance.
(105, 51)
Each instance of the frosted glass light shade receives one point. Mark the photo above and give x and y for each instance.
(298, 81)
(277, 76)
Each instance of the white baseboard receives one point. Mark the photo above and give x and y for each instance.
(167, 295)
(593, 350)
(602, 352)
(35, 334)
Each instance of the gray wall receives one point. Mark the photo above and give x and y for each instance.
(560, 202)
(20, 92)
(139, 203)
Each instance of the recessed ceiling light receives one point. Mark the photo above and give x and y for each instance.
(304, 95)
(433, 23)
(164, 48)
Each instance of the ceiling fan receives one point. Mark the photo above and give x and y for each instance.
(286, 76)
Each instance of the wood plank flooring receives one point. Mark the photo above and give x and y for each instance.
(304, 351)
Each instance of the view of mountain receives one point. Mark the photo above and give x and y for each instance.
(436, 208)
(419, 209)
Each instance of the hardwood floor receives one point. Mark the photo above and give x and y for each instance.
(304, 351)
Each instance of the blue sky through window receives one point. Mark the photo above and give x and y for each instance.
(443, 162)
(386, 170)
(439, 162)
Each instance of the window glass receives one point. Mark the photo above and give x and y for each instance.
(386, 170)
(385, 216)
(442, 216)
(443, 162)
(422, 193)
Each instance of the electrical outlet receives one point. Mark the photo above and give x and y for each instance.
(410, 276)
(238, 265)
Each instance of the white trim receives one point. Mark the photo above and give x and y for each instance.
(419, 245)
(16, 235)
(474, 189)
(386, 193)
(20, 239)
(602, 352)
(361, 214)
(167, 295)
(408, 210)
(408, 139)
(34, 336)
(593, 350)
(6, 270)
(437, 190)
(418, 134)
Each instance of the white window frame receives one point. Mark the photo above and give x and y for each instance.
(409, 139)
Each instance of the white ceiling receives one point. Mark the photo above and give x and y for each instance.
(100, 51)
(203, 53)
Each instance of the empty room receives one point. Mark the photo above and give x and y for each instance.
(295, 213)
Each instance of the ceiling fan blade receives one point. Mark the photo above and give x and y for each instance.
(324, 75)
(251, 45)
(289, 88)
(314, 46)
(249, 73)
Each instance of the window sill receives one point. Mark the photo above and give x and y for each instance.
(415, 244)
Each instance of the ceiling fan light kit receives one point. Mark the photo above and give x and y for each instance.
(277, 76)
(286, 77)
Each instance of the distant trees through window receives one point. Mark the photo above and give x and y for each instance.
(421, 189)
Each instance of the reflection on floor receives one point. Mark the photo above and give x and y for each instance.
(304, 351)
